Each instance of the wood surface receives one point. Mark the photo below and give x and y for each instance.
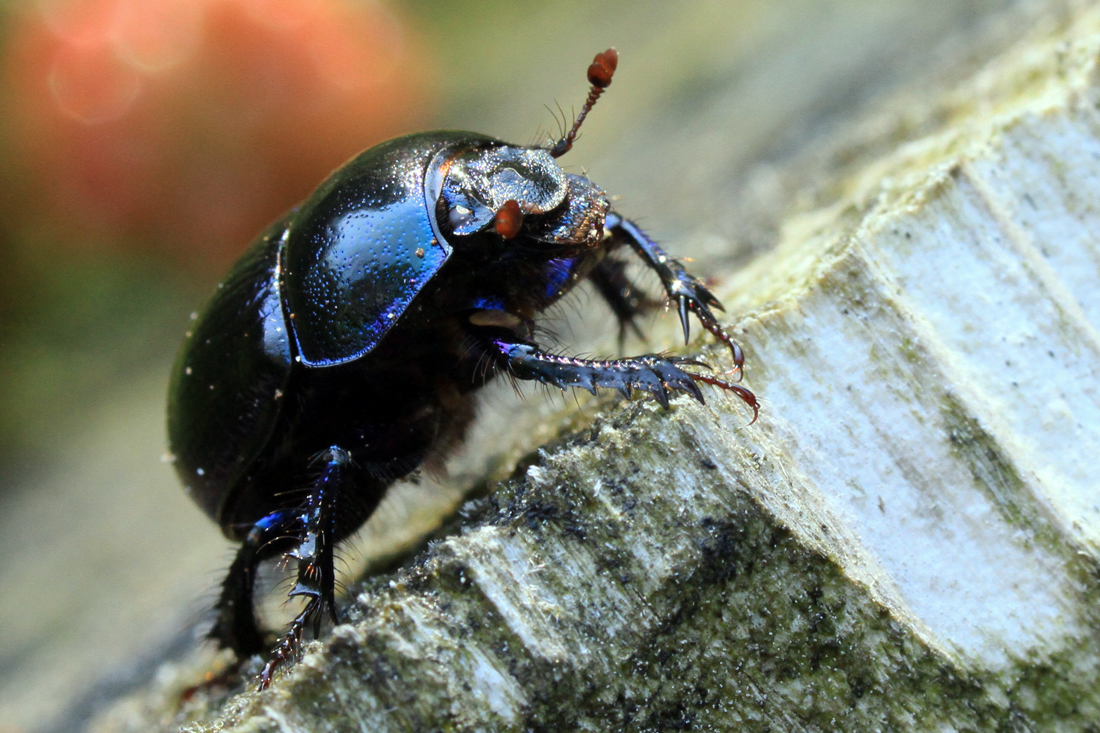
(907, 539)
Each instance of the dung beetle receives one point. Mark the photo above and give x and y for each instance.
(343, 350)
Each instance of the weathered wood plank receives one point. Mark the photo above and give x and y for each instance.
(909, 537)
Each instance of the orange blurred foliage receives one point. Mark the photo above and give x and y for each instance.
(184, 126)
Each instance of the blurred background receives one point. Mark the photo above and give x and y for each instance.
(143, 143)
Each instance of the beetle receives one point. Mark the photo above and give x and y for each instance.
(344, 349)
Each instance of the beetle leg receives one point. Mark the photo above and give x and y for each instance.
(314, 553)
(650, 373)
(626, 300)
(235, 627)
(684, 289)
(743, 394)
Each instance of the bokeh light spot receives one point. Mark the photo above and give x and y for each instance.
(92, 85)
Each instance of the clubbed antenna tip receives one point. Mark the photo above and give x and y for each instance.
(599, 76)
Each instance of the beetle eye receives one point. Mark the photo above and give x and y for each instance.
(460, 216)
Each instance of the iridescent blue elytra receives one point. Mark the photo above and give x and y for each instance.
(344, 350)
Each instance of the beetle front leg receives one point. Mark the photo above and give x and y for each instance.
(314, 554)
(683, 288)
(650, 373)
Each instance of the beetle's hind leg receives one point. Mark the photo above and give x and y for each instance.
(316, 580)
(235, 627)
(685, 290)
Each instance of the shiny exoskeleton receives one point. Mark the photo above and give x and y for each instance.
(343, 351)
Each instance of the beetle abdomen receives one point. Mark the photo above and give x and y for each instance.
(227, 383)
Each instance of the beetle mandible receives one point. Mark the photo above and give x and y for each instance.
(345, 347)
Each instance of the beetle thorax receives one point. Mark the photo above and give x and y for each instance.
(479, 182)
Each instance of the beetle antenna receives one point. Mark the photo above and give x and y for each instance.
(599, 76)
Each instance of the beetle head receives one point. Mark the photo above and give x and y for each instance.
(492, 187)
(489, 194)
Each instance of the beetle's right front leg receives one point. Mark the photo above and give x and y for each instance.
(684, 290)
